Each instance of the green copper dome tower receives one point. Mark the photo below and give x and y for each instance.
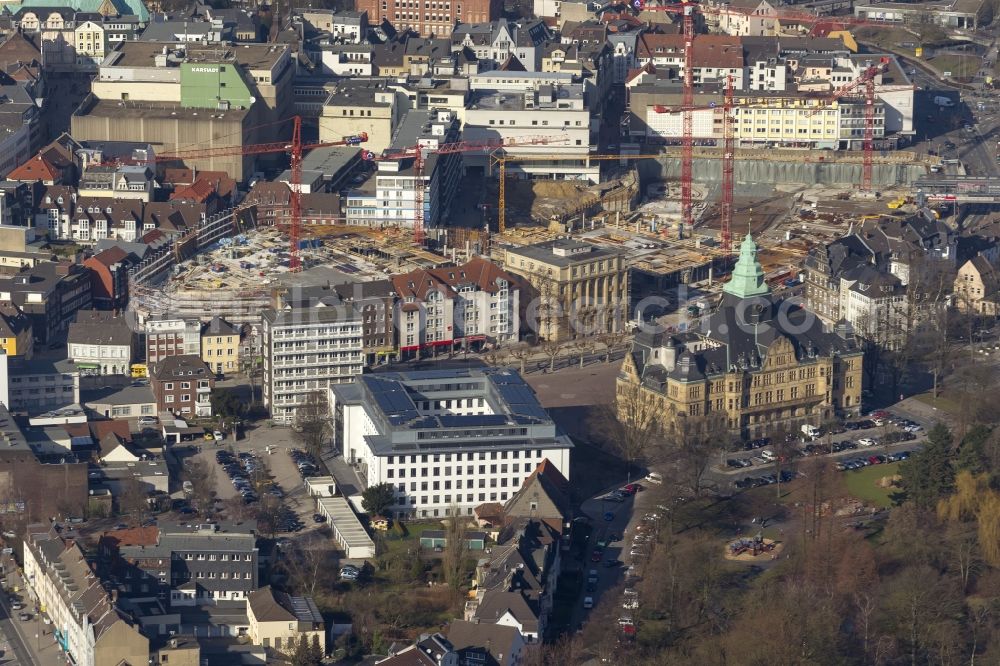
(748, 276)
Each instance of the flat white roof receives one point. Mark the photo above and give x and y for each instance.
(344, 521)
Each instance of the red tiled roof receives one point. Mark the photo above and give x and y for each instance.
(716, 51)
(111, 256)
(37, 168)
(200, 191)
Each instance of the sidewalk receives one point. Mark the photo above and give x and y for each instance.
(34, 635)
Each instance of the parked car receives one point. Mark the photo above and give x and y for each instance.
(867, 441)
(24, 617)
(654, 477)
(588, 602)
(148, 421)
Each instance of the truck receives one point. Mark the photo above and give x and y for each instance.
(943, 101)
(810, 431)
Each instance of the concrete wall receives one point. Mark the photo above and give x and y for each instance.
(759, 171)
(171, 134)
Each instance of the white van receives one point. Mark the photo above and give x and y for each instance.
(654, 477)
(810, 431)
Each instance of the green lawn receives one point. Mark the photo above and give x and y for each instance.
(942, 402)
(863, 483)
(959, 66)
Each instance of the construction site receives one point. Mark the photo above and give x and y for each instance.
(673, 235)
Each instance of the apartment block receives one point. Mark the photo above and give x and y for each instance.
(198, 566)
(88, 627)
(305, 351)
(447, 440)
(400, 190)
(100, 342)
(172, 337)
(50, 294)
(38, 385)
(183, 385)
(456, 307)
(220, 346)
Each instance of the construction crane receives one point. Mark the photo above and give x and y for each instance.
(418, 155)
(867, 79)
(686, 10)
(294, 149)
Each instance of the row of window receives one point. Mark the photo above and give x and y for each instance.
(457, 457)
(436, 485)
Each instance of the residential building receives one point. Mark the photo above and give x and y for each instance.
(823, 268)
(582, 289)
(220, 346)
(977, 287)
(461, 306)
(445, 439)
(50, 294)
(374, 299)
(430, 650)
(349, 27)
(101, 343)
(109, 277)
(91, 43)
(20, 122)
(437, 20)
(197, 566)
(87, 624)
(752, 18)
(780, 93)
(478, 643)
(172, 337)
(37, 386)
(183, 385)
(117, 182)
(120, 403)
(305, 351)
(875, 304)
(400, 191)
(280, 621)
(499, 43)
(747, 371)
(38, 486)
(16, 338)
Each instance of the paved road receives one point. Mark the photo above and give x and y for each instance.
(32, 642)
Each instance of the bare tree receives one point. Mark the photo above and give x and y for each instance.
(520, 353)
(309, 568)
(133, 501)
(202, 478)
(456, 550)
(312, 424)
(631, 424)
(697, 442)
(552, 349)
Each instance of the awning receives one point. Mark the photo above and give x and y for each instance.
(88, 366)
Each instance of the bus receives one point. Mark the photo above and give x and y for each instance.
(139, 370)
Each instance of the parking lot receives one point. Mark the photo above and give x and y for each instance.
(880, 438)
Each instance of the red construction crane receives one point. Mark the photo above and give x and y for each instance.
(867, 79)
(417, 154)
(686, 10)
(294, 149)
(728, 168)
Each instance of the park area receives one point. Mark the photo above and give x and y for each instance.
(867, 484)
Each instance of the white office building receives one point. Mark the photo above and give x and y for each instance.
(535, 122)
(305, 351)
(449, 440)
